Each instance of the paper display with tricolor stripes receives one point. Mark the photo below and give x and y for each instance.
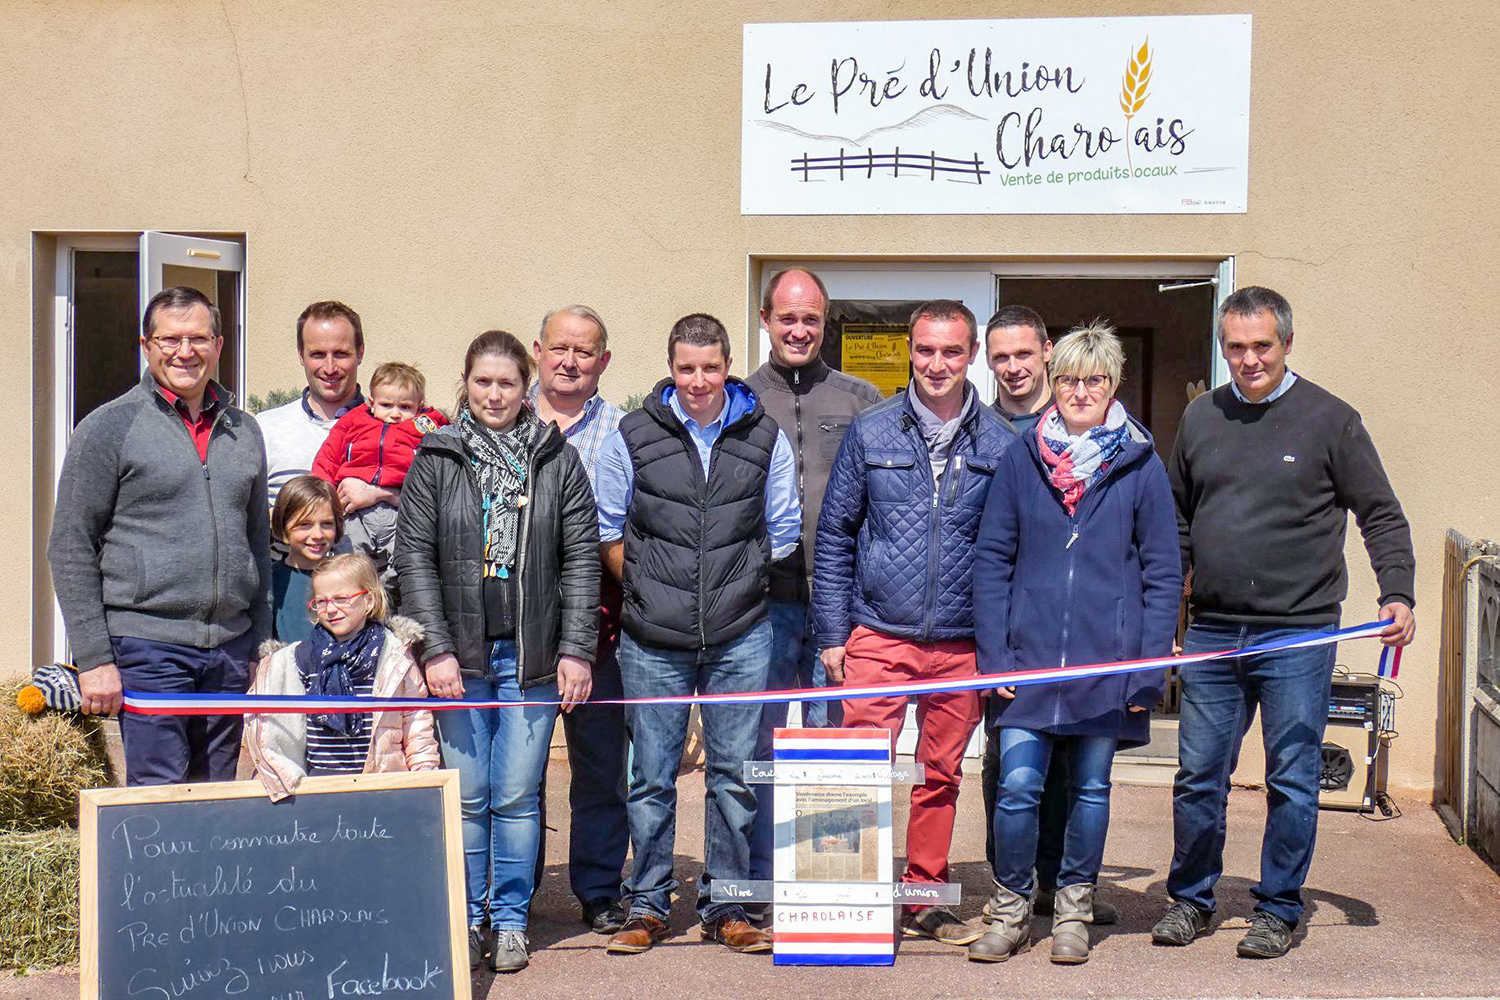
(853, 922)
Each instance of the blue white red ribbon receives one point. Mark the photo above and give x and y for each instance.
(143, 703)
(1390, 662)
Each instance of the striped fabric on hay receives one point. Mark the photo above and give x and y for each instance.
(59, 685)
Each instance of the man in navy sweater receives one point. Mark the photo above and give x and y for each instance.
(1265, 473)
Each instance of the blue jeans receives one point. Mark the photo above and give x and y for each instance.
(658, 732)
(1219, 699)
(1052, 814)
(500, 754)
(794, 663)
(1025, 758)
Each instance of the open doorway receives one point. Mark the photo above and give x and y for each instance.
(1165, 328)
(1162, 309)
(89, 348)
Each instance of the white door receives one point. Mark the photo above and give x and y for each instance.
(217, 269)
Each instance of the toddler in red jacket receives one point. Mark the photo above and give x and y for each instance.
(368, 453)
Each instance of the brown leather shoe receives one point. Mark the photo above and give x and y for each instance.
(640, 932)
(737, 935)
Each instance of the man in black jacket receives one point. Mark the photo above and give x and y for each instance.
(813, 404)
(1265, 472)
(697, 493)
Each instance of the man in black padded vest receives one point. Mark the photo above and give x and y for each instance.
(697, 494)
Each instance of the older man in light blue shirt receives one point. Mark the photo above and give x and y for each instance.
(697, 493)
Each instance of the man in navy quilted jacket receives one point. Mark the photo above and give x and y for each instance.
(892, 596)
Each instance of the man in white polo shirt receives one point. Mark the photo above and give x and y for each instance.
(330, 344)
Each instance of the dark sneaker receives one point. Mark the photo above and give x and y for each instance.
(939, 924)
(1104, 913)
(509, 952)
(1269, 937)
(476, 947)
(1180, 925)
(604, 916)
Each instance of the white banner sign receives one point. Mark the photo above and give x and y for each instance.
(1116, 115)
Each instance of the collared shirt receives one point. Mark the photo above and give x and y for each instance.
(588, 433)
(201, 427)
(294, 433)
(357, 399)
(615, 484)
(1286, 383)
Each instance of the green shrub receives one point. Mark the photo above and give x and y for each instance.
(274, 398)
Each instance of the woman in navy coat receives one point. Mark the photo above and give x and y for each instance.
(1077, 562)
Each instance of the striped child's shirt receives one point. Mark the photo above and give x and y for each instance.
(330, 752)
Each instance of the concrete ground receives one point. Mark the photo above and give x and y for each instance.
(1397, 909)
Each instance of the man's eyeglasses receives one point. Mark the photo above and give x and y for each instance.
(171, 345)
(341, 601)
(1070, 383)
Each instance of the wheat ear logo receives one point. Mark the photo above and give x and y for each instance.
(1133, 92)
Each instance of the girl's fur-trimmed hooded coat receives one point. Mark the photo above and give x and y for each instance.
(399, 741)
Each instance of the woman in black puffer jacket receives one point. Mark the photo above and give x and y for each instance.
(497, 555)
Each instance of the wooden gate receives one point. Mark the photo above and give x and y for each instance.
(1464, 782)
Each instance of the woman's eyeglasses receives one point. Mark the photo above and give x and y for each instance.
(1070, 383)
(341, 601)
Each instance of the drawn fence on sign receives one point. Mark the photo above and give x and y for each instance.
(970, 170)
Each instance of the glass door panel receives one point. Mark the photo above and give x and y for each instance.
(215, 268)
(105, 329)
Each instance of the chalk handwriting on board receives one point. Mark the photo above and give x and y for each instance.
(321, 895)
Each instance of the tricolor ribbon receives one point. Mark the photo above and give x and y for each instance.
(1390, 662)
(144, 703)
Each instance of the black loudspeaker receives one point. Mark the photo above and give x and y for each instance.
(1354, 756)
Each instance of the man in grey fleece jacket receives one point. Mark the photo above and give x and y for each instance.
(814, 405)
(160, 547)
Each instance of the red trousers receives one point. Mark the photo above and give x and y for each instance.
(945, 723)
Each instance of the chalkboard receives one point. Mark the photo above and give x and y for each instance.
(351, 887)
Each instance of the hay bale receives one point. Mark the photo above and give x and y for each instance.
(48, 759)
(38, 899)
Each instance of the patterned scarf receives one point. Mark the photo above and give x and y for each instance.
(1077, 463)
(332, 666)
(500, 461)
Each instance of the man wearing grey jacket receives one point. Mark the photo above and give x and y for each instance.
(160, 547)
(813, 404)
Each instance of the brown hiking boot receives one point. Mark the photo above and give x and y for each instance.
(640, 932)
(737, 934)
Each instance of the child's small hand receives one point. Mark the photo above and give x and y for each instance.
(575, 682)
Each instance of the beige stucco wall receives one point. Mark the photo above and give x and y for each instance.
(452, 167)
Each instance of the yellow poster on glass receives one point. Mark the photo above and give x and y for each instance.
(876, 352)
